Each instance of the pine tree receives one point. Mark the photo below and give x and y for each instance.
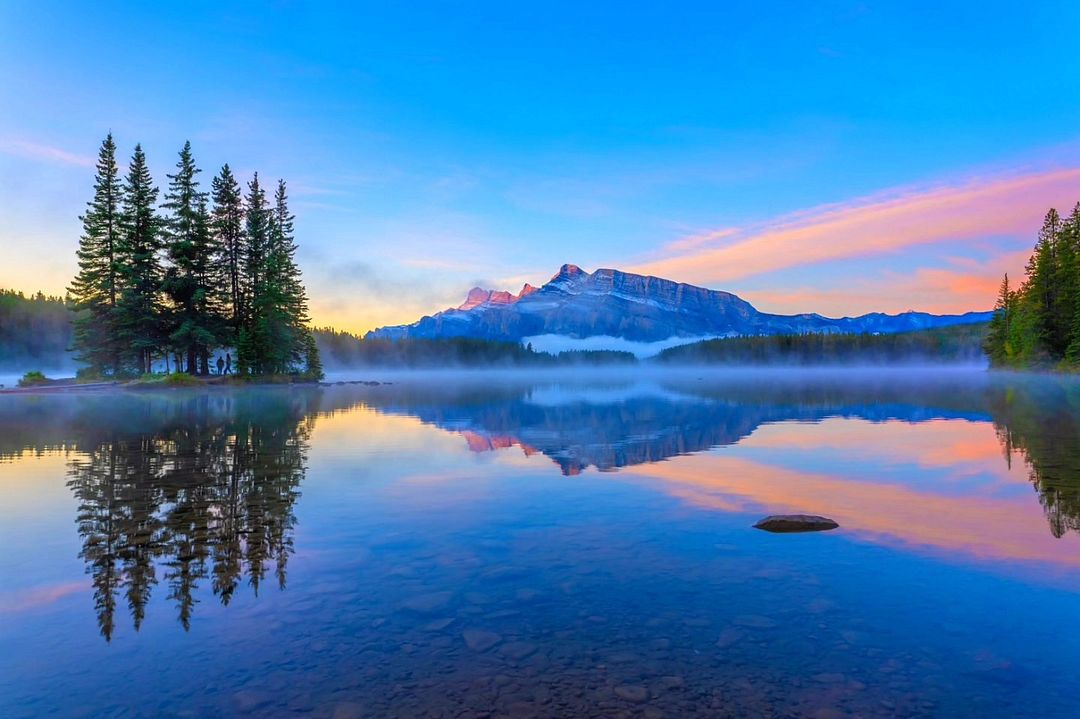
(291, 287)
(313, 366)
(1035, 319)
(228, 225)
(997, 339)
(1068, 314)
(189, 282)
(138, 311)
(95, 289)
(252, 341)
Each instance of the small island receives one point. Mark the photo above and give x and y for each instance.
(206, 285)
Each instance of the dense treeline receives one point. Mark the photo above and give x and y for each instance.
(1038, 324)
(34, 331)
(202, 272)
(956, 344)
(959, 343)
(343, 349)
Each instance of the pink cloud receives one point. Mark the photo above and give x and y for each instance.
(47, 153)
(964, 286)
(977, 208)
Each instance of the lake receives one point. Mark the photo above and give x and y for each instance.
(502, 545)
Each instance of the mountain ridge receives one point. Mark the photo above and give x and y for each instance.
(639, 308)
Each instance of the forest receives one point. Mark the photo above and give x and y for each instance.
(1037, 325)
(35, 331)
(343, 350)
(956, 344)
(204, 273)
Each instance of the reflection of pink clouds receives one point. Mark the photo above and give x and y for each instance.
(962, 447)
(21, 600)
(980, 207)
(980, 526)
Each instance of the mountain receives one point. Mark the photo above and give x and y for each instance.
(621, 306)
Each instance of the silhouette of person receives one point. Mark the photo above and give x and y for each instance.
(228, 363)
(220, 366)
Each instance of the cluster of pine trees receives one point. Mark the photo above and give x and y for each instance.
(201, 273)
(1038, 324)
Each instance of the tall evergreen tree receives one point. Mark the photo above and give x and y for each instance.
(252, 340)
(195, 320)
(95, 289)
(289, 284)
(997, 339)
(1041, 291)
(139, 310)
(228, 226)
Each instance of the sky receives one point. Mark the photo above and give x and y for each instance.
(836, 157)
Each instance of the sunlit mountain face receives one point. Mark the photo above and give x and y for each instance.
(607, 303)
(533, 527)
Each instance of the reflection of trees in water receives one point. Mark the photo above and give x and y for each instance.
(201, 495)
(197, 491)
(1040, 420)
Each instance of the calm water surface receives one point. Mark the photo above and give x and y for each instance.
(495, 547)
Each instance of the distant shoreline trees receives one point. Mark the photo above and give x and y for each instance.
(203, 272)
(35, 331)
(1038, 324)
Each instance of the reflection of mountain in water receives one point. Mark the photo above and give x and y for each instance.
(644, 422)
(184, 492)
(635, 423)
(193, 490)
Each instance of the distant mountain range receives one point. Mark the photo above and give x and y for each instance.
(622, 306)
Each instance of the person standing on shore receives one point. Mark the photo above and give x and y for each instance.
(228, 363)
(220, 366)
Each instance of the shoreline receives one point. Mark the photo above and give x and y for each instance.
(70, 385)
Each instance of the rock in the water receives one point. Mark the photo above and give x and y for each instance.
(632, 693)
(728, 637)
(439, 624)
(248, 700)
(518, 650)
(480, 641)
(754, 621)
(348, 710)
(428, 603)
(796, 523)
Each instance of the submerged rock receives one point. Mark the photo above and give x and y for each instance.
(632, 693)
(479, 640)
(428, 603)
(796, 523)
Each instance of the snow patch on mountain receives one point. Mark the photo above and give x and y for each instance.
(555, 344)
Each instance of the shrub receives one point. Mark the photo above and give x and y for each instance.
(181, 379)
(33, 378)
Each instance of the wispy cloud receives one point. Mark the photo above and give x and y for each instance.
(960, 286)
(44, 153)
(980, 207)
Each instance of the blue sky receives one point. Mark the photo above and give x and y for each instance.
(839, 158)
